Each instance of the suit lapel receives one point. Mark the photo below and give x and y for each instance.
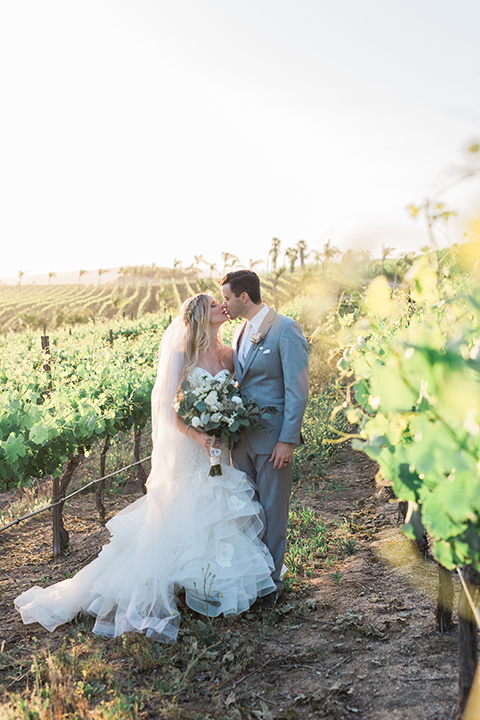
(264, 328)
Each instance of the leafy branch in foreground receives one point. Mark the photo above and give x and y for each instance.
(415, 372)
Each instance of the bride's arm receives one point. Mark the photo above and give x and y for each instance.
(198, 435)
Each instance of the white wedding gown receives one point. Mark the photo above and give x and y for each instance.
(201, 534)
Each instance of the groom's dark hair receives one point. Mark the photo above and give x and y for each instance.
(244, 281)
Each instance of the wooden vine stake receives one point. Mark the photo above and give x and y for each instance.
(468, 626)
(56, 516)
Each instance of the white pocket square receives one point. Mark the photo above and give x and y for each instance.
(265, 352)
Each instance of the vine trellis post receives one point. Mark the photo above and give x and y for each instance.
(56, 518)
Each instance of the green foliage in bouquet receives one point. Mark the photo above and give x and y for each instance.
(218, 409)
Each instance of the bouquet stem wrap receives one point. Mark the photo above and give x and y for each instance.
(215, 461)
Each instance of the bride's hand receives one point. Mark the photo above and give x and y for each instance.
(203, 439)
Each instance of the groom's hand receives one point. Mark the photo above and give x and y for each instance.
(282, 455)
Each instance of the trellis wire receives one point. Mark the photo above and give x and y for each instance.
(76, 492)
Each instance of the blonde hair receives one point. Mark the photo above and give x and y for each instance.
(195, 313)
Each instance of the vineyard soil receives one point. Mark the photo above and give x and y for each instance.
(356, 639)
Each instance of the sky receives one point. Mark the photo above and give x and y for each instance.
(140, 131)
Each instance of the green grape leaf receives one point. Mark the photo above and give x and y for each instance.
(14, 448)
(461, 495)
(395, 394)
(38, 434)
(437, 519)
(443, 552)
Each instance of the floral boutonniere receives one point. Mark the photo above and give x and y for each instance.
(257, 338)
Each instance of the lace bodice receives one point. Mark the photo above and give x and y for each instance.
(199, 375)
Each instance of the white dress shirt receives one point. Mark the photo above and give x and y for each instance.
(252, 327)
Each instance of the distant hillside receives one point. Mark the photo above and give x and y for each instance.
(90, 277)
(34, 306)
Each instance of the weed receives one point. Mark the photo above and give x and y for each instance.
(334, 485)
(28, 502)
(123, 706)
(306, 540)
(204, 597)
(336, 576)
(347, 546)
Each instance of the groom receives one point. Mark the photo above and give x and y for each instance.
(271, 367)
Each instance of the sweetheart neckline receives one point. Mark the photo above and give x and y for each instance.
(197, 367)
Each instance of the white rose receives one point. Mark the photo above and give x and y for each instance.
(196, 422)
(216, 417)
(212, 398)
(237, 400)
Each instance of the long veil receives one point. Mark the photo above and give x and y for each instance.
(165, 436)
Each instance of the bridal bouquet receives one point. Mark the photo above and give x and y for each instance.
(218, 409)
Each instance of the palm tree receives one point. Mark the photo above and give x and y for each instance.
(316, 256)
(21, 273)
(199, 259)
(385, 252)
(302, 246)
(274, 252)
(212, 268)
(177, 265)
(276, 279)
(291, 254)
(253, 263)
(229, 260)
(366, 256)
(51, 274)
(328, 253)
(83, 272)
(101, 272)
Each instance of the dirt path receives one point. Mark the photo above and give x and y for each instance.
(369, 649)
(358, 642)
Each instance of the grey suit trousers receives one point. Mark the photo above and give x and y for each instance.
(272, 490)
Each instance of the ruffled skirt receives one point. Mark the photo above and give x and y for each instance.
(203, 536)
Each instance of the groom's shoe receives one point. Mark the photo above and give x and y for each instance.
(267, 602)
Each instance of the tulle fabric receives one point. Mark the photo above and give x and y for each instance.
(189, 531)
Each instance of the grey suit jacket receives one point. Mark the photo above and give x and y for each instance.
(275, 373)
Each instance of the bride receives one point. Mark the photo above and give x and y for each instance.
(189, 531)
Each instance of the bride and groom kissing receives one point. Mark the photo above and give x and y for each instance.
(221, 539)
